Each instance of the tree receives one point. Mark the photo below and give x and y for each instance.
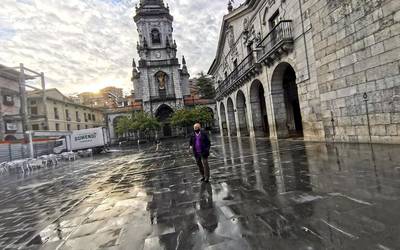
(139, 122)
(145, 123)
(206, 86)
(185, 118)
(123, 126)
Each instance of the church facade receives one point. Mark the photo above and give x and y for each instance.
(160, 82)
(324, 70)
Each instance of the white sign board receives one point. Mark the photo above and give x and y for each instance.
(87, 138)
(11, 126)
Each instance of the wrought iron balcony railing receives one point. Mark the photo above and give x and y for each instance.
(247, 66)
(277, 41)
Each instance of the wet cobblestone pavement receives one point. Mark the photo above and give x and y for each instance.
(262, 195)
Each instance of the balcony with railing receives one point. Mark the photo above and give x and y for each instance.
(247, 68)
(277, 42)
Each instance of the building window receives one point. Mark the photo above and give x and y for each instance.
(69, 127)
(67, 115)
(8, 100)
(274, 20)
(77, 116)
(33, 102)
(57, 127)
(89, 117)
(155, 36)
(78, 127)
(86, 126)
(35, 127)
(93, 117)
(56, 116)
(34, 110)
(85, 116)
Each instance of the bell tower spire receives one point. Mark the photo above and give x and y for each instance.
(158, 77)
(152, 2)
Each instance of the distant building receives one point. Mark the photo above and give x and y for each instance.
(109, 97)
(63, 113)
(10, 105)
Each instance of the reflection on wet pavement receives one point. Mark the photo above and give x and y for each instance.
(263, 195)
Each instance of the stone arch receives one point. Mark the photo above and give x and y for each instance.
(10, 138)
(222, 116)
(112, 121)
(231, 116)
(163, 113)
(241, 110)
(286, 102)
(259, 109)
(116, 120)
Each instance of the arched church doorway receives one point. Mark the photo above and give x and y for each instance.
(241, 109)
(223, 119)
(259, 109)
(163, 113)
(286, 102)
(231, 117)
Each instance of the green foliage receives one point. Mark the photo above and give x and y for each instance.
(206, 86)
(187, 117)
(140, 121)
(123, 125)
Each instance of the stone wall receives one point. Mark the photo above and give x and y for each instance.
(357, 51)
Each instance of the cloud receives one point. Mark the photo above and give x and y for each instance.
(82, 45)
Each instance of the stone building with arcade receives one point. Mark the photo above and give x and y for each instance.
(325, 70)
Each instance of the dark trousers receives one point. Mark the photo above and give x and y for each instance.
(202, 163)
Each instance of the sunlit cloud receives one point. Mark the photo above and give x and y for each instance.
(83, 45)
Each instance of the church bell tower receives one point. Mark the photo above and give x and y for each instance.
(160, 82)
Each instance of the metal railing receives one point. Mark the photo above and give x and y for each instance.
(236, 74)
(281, 33)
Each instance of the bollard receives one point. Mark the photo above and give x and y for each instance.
(365, 97)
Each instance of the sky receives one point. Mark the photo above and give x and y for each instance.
(84, 45)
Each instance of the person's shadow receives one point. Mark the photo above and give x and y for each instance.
(207, 213)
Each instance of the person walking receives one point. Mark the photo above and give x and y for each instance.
(200, 144)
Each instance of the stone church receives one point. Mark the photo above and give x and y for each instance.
(324, 70)
(160, 83)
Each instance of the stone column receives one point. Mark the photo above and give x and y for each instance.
(228, 125)
(221, 129)
(271, 115)
(250, 124)
(279, 107)
(238, 133)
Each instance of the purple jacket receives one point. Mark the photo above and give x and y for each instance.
(205, 144)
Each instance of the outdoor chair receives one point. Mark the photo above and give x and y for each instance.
(4, 168)
(69, 156)
(35, 163)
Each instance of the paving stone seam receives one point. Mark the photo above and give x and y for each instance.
(92, 210)
(59, 217)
